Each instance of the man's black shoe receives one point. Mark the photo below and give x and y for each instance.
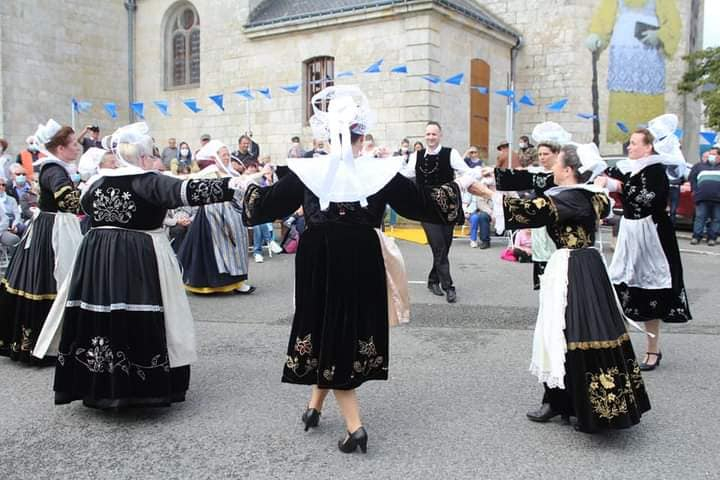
(542, 414)
(451, 295)
(435, 288)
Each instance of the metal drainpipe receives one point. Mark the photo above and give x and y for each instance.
(513, 63)
(131, 7)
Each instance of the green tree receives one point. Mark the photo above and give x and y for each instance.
(703, 79)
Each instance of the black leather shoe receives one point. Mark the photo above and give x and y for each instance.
(484, 245)
(542, 414)
(311, 418)
(358, 438)
(451, 296)
(435, 288)
(646, 367)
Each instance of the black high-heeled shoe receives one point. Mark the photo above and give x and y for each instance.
(358, 438)
(310, 418)
(645, 367)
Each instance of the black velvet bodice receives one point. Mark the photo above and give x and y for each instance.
(645, 193)
(433, 169)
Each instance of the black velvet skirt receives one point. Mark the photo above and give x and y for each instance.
(538, 270)
(27, 293)
(339, 335)
(603, 384)
(113, 349)
(197, 259)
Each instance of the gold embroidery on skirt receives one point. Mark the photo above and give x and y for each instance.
(610, 393)
(599, 344)
(303, 363)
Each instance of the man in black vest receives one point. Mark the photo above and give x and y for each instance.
(436, 165)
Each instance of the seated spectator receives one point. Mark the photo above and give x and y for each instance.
(185, 163)
(6, 160)
(318, 149)
(472, 157)
(177, 221)
(404, 150)
(522, 246)
(417, 146)
(524, 143)
(529, 158)
(9, 218)
(263, 233)
(479, 212)
(296, 150)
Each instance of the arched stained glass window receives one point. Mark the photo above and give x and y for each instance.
(182, 40)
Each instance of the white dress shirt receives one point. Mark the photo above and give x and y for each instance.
(456, 163)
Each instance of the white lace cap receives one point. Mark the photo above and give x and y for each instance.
(211, 151)
(135, 134)
(591, 159)
(339, 177)
(551, 132)
(666, 142)
(90, 161)
(46, 132)
(347, 107)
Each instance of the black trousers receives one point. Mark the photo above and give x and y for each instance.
(440, 238)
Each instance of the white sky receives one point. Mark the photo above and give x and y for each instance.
(711, 30)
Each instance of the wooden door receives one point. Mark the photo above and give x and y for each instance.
(480, 106)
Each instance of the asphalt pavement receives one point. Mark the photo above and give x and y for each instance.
(454, 406)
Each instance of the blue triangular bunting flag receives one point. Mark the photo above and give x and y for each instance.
(139, 109)
(375, 67)
(527, 100)
(265, 92)
(623, 128)
(558, 106)
(345, 74)
(80, 106)
(456, 79)
(708, 137)
(245, 93)
(432, 78)
(399, 69)
(163, 106)
(505, 93)
(219, 100)
(111, 110)
(192, 105)
(479, 89)
(291, 88)
(516, 106)
(586, 116)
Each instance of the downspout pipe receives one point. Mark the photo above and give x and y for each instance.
(514, 50)
(131, 7)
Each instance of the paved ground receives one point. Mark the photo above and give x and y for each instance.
(453, 408)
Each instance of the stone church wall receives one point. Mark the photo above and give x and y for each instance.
(51, 51)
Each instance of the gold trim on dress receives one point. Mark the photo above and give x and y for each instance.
(599, 344)
(223, 289)
(62, 191)
(30, 296)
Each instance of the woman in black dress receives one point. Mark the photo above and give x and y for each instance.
(121, 324)
(581, 349)
(43, 258)
(339, 336)
(646, 268)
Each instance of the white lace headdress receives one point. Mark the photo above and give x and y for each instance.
(135, 134)
(551, 132)
(338, 176)
(211, 151)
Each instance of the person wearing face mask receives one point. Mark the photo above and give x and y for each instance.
(44, 256)
(524, 144)
(29, 156)
(184, 163)
(705, 183)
